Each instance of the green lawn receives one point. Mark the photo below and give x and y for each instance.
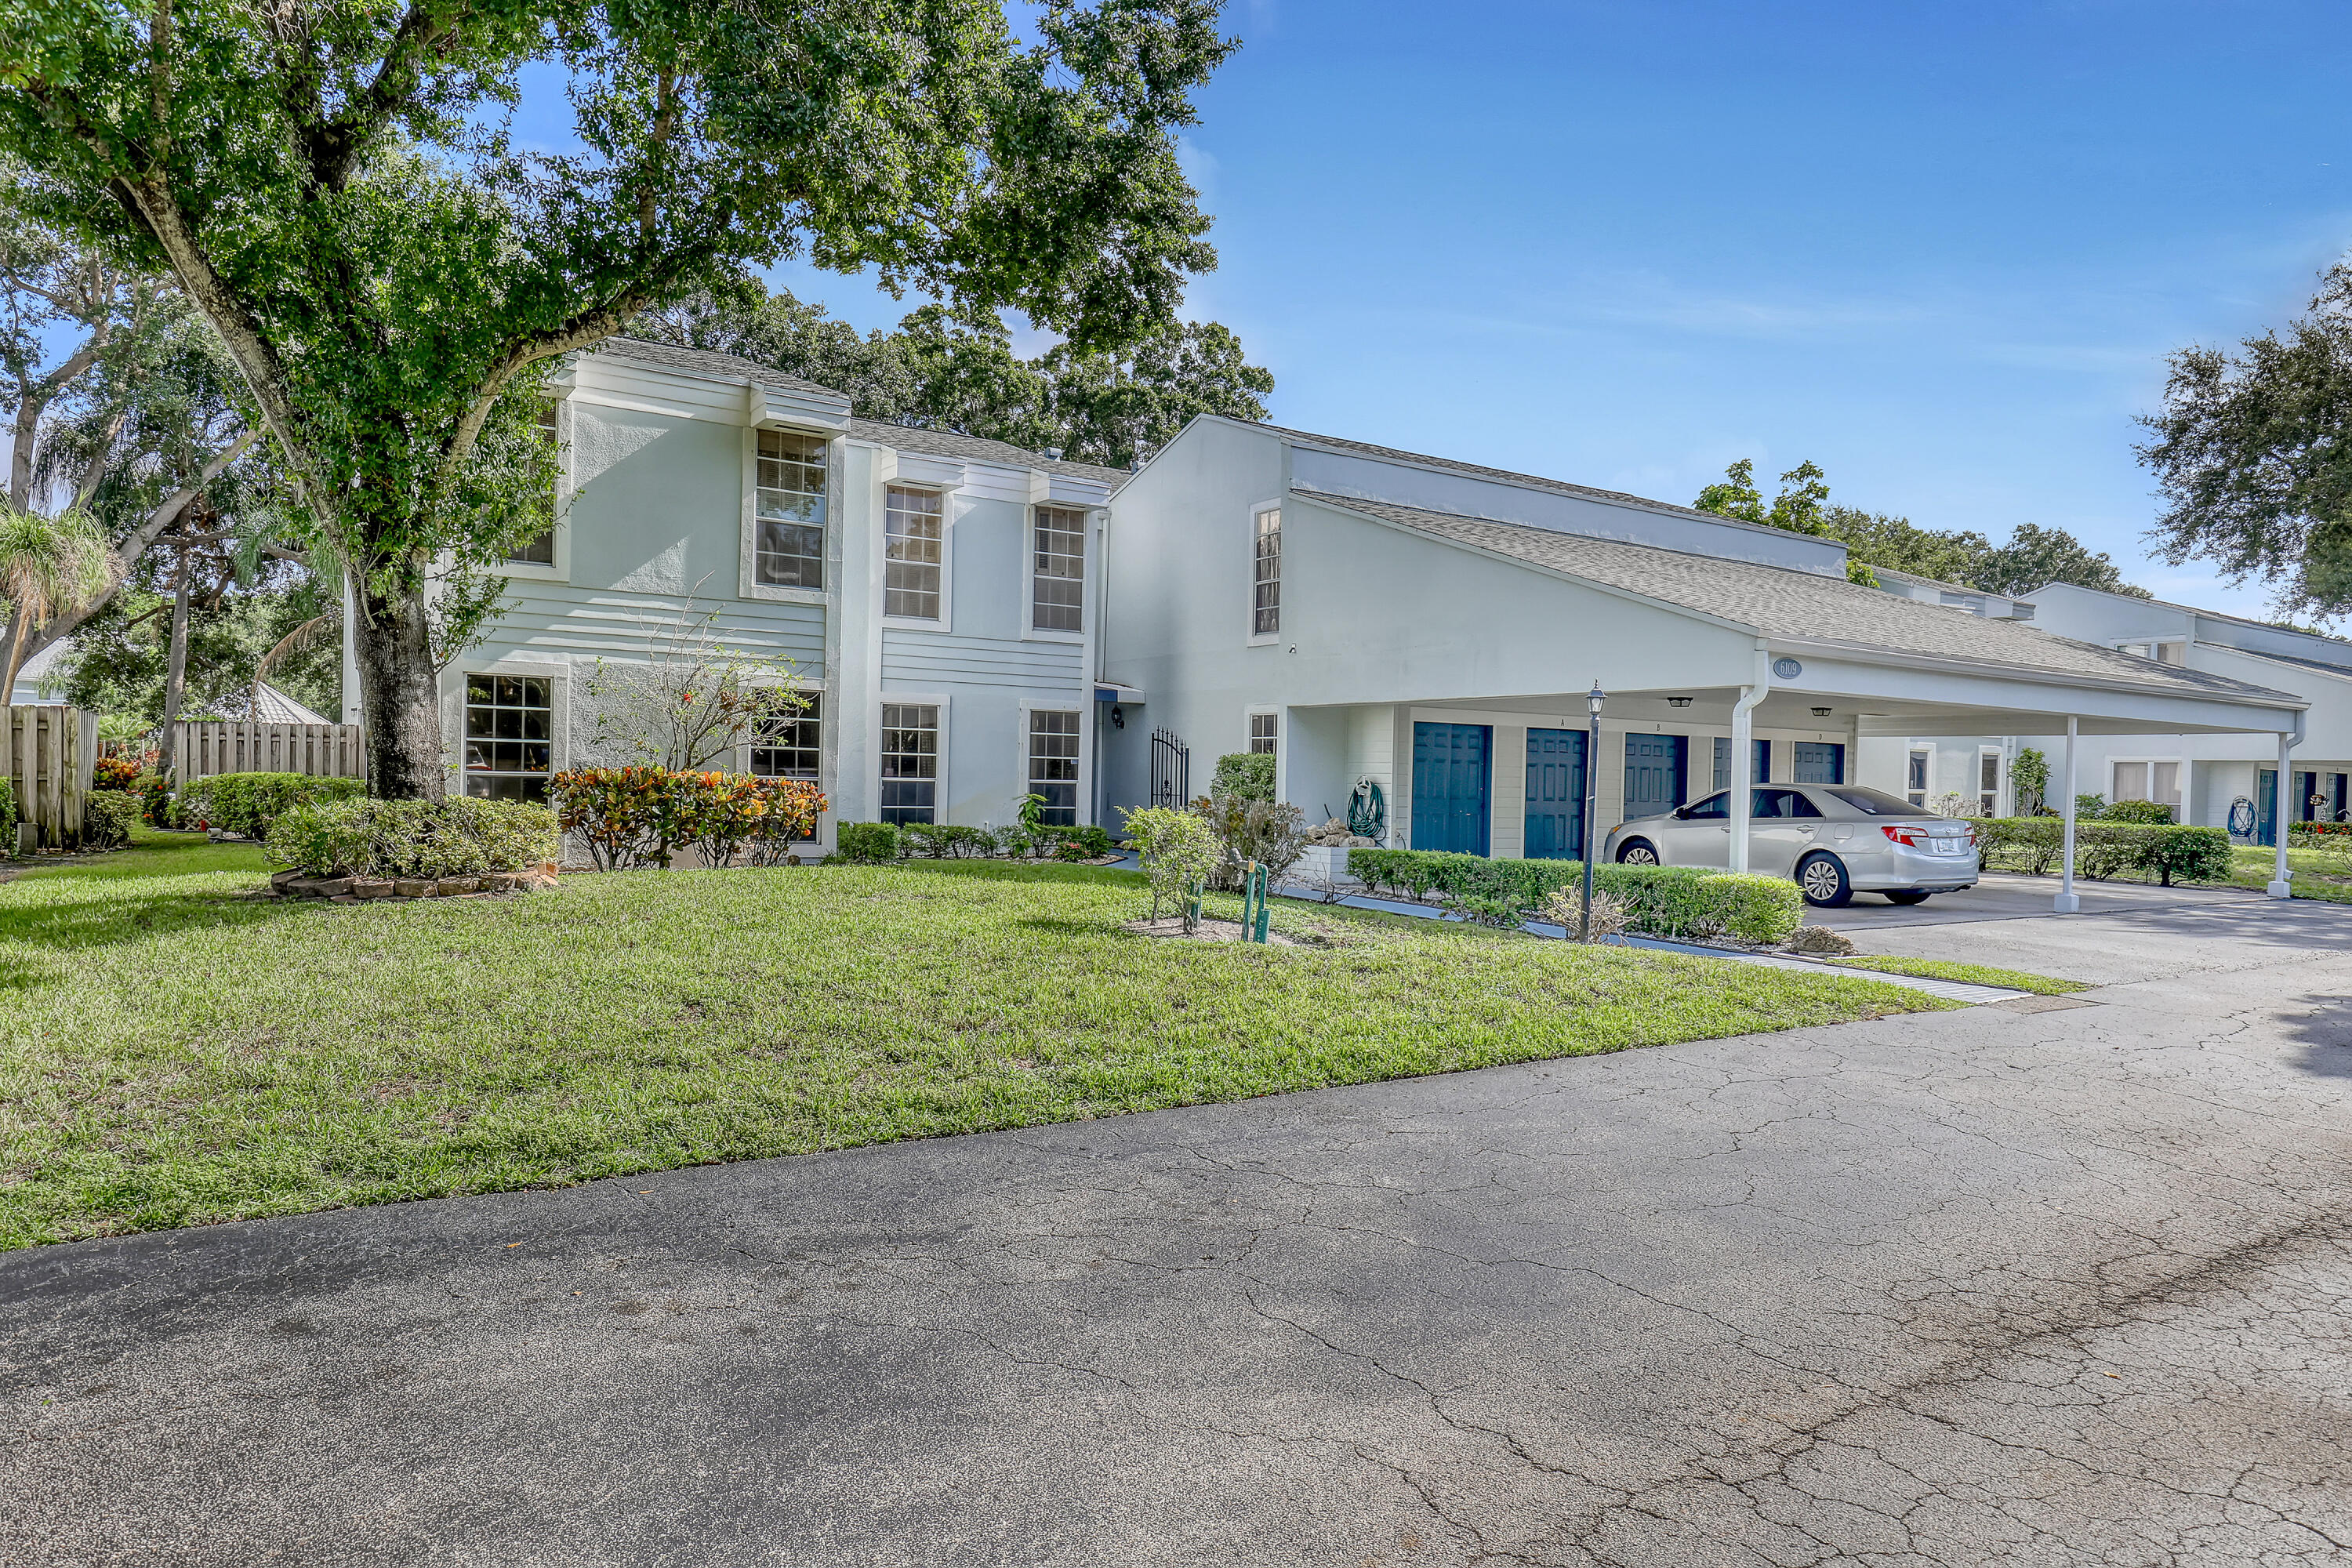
(1968, 973)
(172, 1054)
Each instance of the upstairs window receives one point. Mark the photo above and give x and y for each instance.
(789, 536)
(1266, 590)
(1058, 583)
(1054, 766)
(539, 552)
(784, 740)
(912, 529)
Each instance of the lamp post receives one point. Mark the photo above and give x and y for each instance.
(1594, 700)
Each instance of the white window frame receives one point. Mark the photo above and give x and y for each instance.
(559, 570)
(825, 724)
(946, 496)
(1030, 630)
(453, 710)
(1251, 635)
(1249, 726)
(2181, 781)
(1927, 792)
(747, 585)
(1085, 805)
(938, 699)
(2000, 780)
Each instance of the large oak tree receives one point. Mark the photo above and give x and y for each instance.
(335, 185)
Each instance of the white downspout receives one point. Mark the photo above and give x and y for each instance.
(2281, 884)
(1743, 728)
(2068, 902)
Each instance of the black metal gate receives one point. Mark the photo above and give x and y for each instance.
(1172, 769)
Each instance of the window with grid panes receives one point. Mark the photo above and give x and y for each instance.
(784, 738)
(913, 521)
(539, 552)
(788, 532)
(509, 736)
(1263, 729)
(1988, 783)
(1265, 601)
(910, 763)
(1058, 585)
(1054, 765)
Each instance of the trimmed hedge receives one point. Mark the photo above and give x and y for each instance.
(1249, 774)
(1661, 901)
(868, 842)
(641, 816)
(2105, 849)
(459, 837)
(248, 804)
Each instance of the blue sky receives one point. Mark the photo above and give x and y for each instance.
(1939, 250)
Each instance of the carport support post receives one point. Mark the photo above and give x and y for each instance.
(2283, 879)
(1743, 729)
(2068, 902)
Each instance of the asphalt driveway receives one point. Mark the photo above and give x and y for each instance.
(2060, 1285)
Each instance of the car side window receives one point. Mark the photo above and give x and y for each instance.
(1714, 807)
(1800, 806)
(1770, 803)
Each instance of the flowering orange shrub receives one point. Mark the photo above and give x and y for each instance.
(641, 816)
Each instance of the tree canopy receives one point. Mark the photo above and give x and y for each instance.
(2252, 454)
(335, 187)
(2033, 556)
(939, 373)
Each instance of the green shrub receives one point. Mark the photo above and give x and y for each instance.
(153, 793)
(868, 842)
(112, 773)
(2103, 847)
(946, 840)
(642, 815)
(246, 804)
(2148, 810)
(1249, 774)
(7, 813)
(107, 818)
(1179, 852)
(1658, 901)
(1253, 827)
(453, 838)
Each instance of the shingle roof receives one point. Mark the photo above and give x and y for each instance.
(275, 706)
(978, 449)
(707, 362)
(1779, 602)
(1533, 481)
(905, 437)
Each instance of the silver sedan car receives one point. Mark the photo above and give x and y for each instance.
(1832, 840)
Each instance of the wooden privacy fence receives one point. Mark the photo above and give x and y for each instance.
(51, 750)
(244, 746)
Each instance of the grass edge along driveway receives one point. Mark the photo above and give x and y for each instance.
(172, 1054)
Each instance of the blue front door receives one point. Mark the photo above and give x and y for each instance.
(1819, 761)
(2266, 808)
(1655, 773)
(1555, 795)
(1452, 765)
(1759, 761)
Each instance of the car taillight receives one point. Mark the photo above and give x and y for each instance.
(1906, 836)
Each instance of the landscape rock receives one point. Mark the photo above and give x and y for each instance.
(451, 886)
(372, 887)
(416, 888)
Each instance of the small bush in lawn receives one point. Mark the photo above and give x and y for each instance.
(1251, 829)
(248, 804)
(1179, 852)
(1249, 774)
(156, 806)
(107, 818)
(867, 843)
(1566, 908)
(459, 837)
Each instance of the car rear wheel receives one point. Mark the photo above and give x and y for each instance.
(1912, 896)
(1637, 853)
(1823, 882)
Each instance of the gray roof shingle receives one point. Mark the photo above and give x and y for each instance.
(707, 362)
(1779, 602)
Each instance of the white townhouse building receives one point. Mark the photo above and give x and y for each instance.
(937, 597)
(2202, 776)
(1384, 617)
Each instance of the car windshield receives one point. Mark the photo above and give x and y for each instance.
(1874, 803)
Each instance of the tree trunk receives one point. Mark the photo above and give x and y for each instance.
(175, 670)
(399, 694)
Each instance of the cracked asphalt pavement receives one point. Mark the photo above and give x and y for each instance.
(2054, 1287)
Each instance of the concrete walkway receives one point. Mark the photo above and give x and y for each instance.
(2059, 1287)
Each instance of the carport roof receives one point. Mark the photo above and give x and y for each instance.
(1802, 606)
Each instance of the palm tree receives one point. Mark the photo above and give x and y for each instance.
(50, 566)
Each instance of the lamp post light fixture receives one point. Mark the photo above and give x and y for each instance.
(1594, 700)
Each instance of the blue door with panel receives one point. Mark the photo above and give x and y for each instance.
(1656, 774)
(1555, 822)
(1818, 762)
(1453, 773)
(2266, 808)
(1759, 761)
